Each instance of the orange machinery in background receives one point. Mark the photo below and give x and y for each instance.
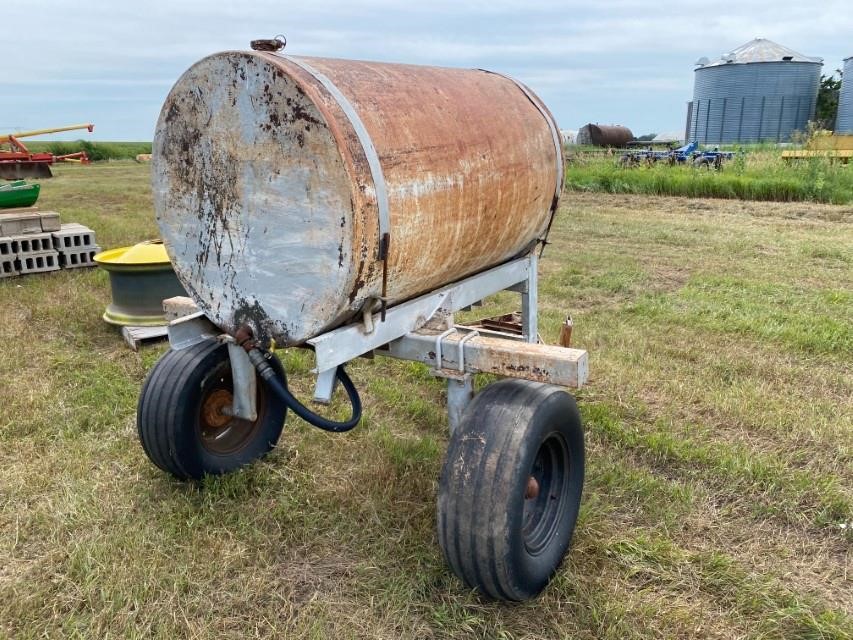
(19, 162)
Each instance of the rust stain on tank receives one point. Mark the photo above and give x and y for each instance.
(468, 159)
(464, 154)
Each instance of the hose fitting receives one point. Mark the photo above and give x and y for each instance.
(261, 363)
(244, 336)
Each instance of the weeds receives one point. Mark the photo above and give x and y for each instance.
(751, 175)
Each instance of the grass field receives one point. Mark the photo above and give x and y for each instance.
(719, 420)
(758, 173)
(95, 150)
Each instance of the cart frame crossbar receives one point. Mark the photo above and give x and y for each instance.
(423, 330)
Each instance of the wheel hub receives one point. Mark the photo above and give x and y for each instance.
(220, 432)
(546, 485)
(532, 490)
(215, 409)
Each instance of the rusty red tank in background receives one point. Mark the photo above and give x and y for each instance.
(292, 192)
(602, 135)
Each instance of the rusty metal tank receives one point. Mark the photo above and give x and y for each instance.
(604, 135)
(293, 192)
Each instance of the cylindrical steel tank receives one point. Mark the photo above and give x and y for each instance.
(602, 135)
(277, 177)
(844, 120)
(761, 91)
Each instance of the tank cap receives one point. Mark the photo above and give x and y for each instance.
(273, 44)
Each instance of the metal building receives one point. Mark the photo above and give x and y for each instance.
(569, 136)
(844, 121)
(761, 91)
(604, 135)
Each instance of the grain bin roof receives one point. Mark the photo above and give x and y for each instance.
(759, 50)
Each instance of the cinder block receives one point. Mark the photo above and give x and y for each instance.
(32, 209)
(50, 221)
(73, 236)
(8, 247)
(73, 258)
(14, 224)
(33, 243)
(38, 262)
(7, 266)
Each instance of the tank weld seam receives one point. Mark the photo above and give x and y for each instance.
(368, 147)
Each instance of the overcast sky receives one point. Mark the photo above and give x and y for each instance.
(622, 61)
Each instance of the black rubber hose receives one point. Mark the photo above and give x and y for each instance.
(278, 386)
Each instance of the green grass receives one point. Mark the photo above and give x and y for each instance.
(795, 317)
(719, 434)
(96, 151)
(753, 175)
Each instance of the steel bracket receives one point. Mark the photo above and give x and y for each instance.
(192, 329)
(460, 392)
(327, 382)
(350, 341)
(245, 382)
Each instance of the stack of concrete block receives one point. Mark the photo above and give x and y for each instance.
(33, 241)
(76, 246)
(36, 253)
(8, 258)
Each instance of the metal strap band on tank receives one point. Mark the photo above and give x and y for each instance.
(369, 152)
(555, 135)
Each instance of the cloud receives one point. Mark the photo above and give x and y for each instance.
(628, 61)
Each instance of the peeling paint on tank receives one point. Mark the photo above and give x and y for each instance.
(266, 201)
(425, 184)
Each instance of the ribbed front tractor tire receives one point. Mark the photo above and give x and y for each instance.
(510, 488)
(182, 415)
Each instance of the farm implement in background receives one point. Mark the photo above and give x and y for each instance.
(824, 145)
(19, 162)
(689, 153)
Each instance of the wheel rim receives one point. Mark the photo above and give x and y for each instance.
(544, 497)
(219, 433)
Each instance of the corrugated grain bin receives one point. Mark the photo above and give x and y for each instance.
(602, 135)
(844, 121)
(276, 178)
(761, 91)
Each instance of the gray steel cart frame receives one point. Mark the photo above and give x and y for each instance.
(422, 330)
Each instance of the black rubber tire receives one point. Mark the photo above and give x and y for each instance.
(481, 498)
(168, 416)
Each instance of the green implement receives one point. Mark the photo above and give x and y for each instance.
(18, 194)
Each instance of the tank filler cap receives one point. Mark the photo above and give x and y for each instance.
(273, 44)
